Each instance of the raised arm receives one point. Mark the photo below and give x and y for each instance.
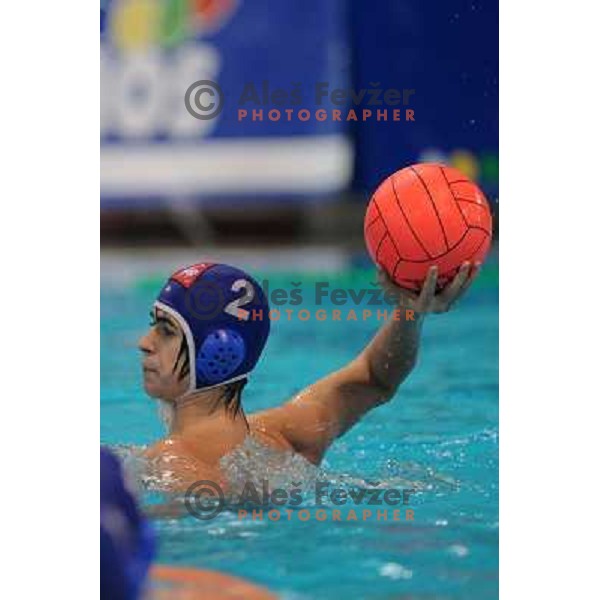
(328, 408)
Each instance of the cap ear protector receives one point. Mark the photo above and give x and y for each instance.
(220, 354)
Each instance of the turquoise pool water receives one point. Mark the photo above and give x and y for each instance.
(440, 432)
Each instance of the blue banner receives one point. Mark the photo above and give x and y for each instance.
(263, 57)
(447, 52)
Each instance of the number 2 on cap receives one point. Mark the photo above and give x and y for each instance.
(233, 308)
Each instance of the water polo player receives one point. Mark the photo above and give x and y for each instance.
(209, 327)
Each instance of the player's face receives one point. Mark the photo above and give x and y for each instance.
(160, 350)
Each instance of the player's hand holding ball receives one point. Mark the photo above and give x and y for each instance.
(428, 228)
(427, 300)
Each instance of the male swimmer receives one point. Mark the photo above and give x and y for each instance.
(206, 337)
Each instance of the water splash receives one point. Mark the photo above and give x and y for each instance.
(254, 462)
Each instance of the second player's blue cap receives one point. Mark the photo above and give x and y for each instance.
(224, 315)
(127, 542)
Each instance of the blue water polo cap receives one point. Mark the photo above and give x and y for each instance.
(224, 315)
(127, 542)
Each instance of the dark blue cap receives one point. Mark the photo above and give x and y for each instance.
(224, 315)
(127, 543)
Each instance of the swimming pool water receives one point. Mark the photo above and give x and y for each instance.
(440, 431)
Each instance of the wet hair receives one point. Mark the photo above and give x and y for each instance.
(183, 357)
(231, 393)
(232, 396)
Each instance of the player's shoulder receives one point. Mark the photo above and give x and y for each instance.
(165, 447)
(174, 456)
(268, 425)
